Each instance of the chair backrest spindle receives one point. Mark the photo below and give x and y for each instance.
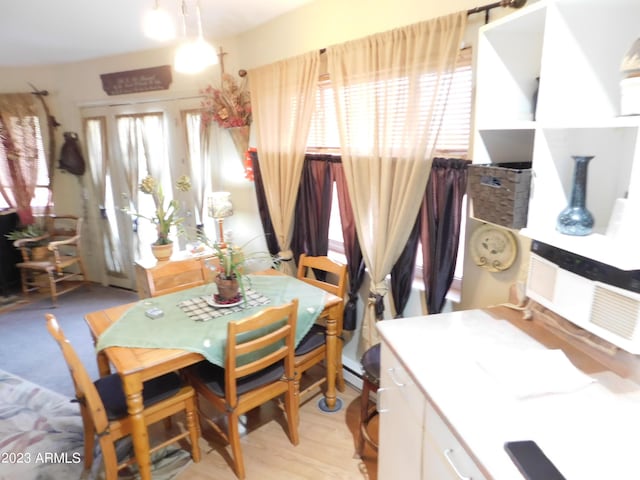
(86, 392)
(173, 276)
(318, 271)
(259, 342)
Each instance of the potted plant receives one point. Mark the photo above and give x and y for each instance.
(165, 216)
(33, 237)
(230, 266)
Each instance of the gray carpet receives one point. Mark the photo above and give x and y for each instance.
(27, 349)
(42, 432)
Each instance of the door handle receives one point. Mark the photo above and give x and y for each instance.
(379, 406)
(447, 455)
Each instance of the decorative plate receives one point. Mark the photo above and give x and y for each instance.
(493, 248)
(212, 303)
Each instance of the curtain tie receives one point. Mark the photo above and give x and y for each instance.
(285, 255)
(378, 300)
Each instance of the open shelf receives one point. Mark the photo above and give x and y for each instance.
(504, 146)
(511, 56)
(576, 48)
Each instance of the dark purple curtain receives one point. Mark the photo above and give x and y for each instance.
(313, 212)
(355, 262)
(263, 209)
(440, 217)
(313, 207)
(403, 270)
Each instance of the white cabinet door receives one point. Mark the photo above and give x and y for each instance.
(444, 458)
(401, 407)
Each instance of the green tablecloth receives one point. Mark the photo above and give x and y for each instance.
(176, 330)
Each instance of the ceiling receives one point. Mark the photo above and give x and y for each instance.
(37, 32)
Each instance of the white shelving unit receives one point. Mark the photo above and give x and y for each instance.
(575, 47)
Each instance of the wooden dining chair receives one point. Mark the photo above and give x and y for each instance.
(104, 409)
(331, 276)
(171, 276)
(258, 368)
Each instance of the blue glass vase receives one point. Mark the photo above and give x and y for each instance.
(576, 219)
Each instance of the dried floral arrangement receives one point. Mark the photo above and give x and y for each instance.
(229, 105)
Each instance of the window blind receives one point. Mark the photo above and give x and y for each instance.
(454, 109)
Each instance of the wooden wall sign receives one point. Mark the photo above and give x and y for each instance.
(134, 81)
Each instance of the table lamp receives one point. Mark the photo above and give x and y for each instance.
(220, 206)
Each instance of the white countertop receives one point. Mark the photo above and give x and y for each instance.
(590, 433)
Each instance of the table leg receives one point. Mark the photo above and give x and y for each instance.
(331, 403)
(340, 385)
(104, 369)
(132, 386)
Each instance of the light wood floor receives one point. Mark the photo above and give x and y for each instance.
(326, 449)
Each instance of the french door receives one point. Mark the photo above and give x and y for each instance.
(124, 144)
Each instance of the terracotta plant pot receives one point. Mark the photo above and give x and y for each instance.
(228, 289)
(162, 252)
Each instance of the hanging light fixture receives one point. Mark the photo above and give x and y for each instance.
(158, 25)
(194, 55)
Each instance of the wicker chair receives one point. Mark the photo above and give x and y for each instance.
(61, 269)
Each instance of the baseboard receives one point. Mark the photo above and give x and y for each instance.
(352, 377)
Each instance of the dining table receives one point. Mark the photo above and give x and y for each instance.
(192, 328)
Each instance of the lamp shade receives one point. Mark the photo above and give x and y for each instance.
(193, 56)
(219, 205)
(158, 25)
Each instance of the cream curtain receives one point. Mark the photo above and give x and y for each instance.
(18, 152)
(389, 91)
(283, 99)
(99, 169)
(198, 135)
(139, 136)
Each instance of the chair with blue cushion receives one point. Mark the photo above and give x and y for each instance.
(370, 362)
(258, 368)
(331, 276)
(104, 413)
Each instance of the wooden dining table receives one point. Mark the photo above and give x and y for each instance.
(136, 365)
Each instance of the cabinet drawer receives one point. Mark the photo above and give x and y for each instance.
(401, 407)
(444, 452)
(396, 382)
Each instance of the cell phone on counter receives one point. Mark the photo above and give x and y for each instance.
(532, 461)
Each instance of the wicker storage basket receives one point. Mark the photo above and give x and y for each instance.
(500, 192)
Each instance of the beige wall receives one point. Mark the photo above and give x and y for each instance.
(328, 22)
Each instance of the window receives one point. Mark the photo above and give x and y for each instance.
(453, 137)
(125, 142)
(98, 155)
(41, 195)
(142, 142)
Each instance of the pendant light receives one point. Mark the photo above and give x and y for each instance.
(158, 25)
(194, 55)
